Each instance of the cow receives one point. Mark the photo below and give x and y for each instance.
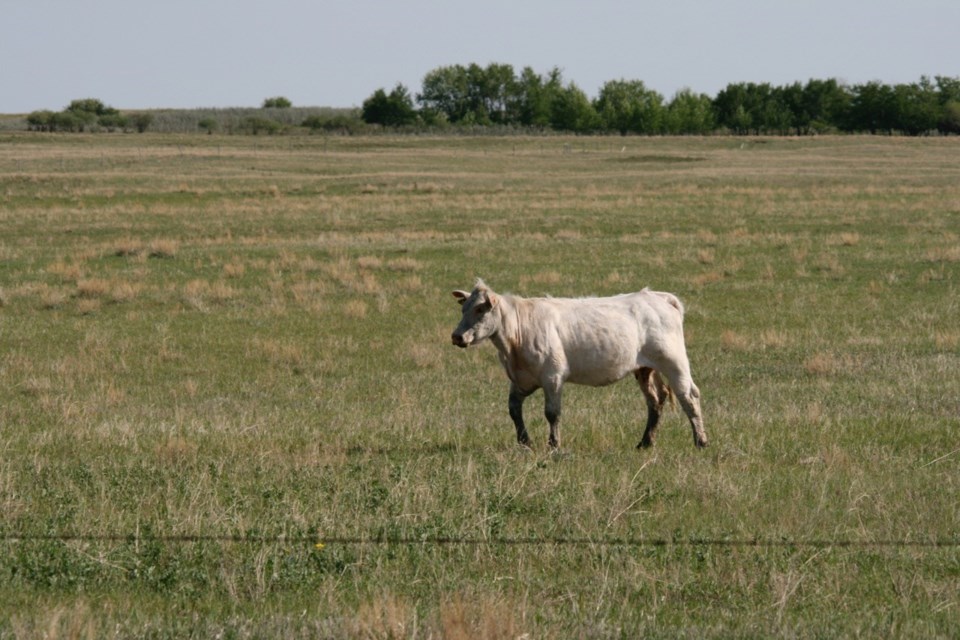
(543, 343)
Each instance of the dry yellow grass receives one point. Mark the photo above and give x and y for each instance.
(733, 341)
(93, 288)
(129, 246)
(541, 278)
(356, 309)
(946, 340)
(234, 269)
(67, 272)
(162, 248)
(404, 264)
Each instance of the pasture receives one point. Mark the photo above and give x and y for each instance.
(229, 405)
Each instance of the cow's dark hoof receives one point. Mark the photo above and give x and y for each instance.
(645, 443)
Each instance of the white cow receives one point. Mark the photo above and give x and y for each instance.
(545, 342)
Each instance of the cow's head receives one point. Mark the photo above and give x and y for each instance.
(479, 320)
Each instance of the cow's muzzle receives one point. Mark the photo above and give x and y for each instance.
(458, 341)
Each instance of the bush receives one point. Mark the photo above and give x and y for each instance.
(257, 125)
(334, 124)
(141, 121)
(90, 105)
(208, 124)
(40, 121)
(390, 110)
(112, 121)
(278, 102)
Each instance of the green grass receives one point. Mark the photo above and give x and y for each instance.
(246, 341)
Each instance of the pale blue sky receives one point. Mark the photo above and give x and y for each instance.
(220, 53)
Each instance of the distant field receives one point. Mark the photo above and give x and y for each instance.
(225, 364)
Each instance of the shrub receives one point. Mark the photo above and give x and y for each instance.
(334, 124)
(41, 121)
(391, 110)
(112, 121)
(141, 121)
(257, 125)
(208, 124)
(278, 102)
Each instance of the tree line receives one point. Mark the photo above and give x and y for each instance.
(87, 113)
(494, 95)
(276, 115)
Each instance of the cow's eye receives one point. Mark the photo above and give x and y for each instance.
(481, 309)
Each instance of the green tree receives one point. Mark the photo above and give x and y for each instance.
(497, 92)
(571, 110)
(948, 93)
(871, 108)
(534, 96)
(629, 107)
(822, 104)
(390, 110)
(445, 90)
(84, 112)
(91, 106)
(916, 107)
(278, 102)
(949, 121)
(775, 113)
(731, 108)
(749, 107)
(689, 113)
(474, 94)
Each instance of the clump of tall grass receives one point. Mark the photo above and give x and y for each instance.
(162, 248)
(128, 247)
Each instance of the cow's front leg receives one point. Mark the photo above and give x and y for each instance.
(517, 396)
(552, 412)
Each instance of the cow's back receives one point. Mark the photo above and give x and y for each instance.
(592, 341)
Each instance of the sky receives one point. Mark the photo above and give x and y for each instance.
(235, 53)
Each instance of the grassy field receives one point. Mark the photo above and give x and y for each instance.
(225, 364)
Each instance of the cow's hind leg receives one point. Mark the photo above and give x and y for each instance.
(677, 373)
(656, 393)
(551, 410)
(516, 413)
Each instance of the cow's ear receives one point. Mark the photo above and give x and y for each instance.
(492, 299)
(461, 296)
